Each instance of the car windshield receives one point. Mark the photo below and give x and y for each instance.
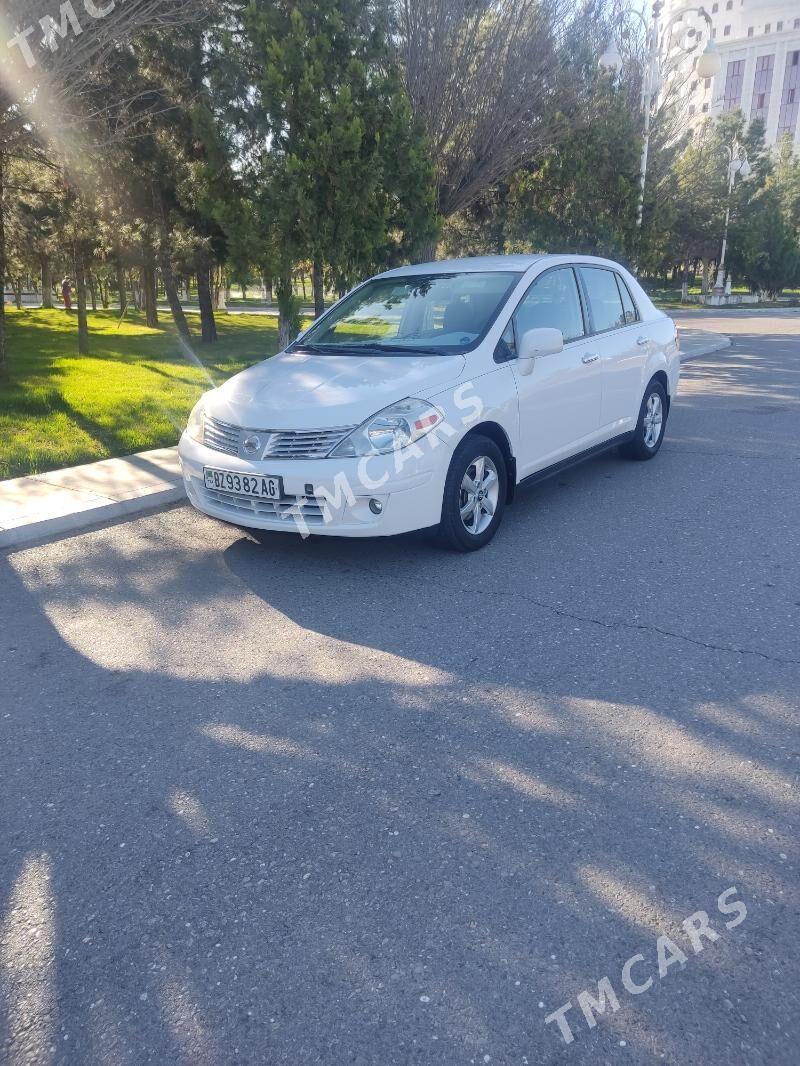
(434, 314)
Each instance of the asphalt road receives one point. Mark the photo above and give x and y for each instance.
(274, 801)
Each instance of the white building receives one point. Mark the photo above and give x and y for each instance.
(759, 42)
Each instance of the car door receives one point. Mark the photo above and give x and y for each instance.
(559, 400)
(621, 342)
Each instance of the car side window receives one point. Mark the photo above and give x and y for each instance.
(628, 306)
(553, 300)
(605, 302)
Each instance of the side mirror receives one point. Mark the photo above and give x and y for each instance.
(541, 341)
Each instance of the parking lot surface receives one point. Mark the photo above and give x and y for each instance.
(281, 801)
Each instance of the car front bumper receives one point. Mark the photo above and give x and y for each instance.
(409, 488)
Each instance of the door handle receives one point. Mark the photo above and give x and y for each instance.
(590, 359)
(642, 341)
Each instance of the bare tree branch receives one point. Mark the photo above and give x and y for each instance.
(52, 50)
(486, 78)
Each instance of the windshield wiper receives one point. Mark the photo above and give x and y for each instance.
(365, 348)
(410, 349)
(332, 349)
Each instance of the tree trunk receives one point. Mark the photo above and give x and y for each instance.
(149, 291)
(18, 286)
(207, 324)
(426, 251)
(706, 275)
(287, 312)
(122, 288)
(47, 283)
(103, 287)
(3, 350)
(92, 290)
(218, 280)
(167, 273)
(80, 286)
(319, 288)
(173, 297)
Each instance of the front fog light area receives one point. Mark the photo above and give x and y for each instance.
(376, 506)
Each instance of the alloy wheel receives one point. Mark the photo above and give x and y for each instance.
(480, 490)
(653, 420)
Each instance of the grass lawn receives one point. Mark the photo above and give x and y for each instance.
(670, 299)
(133, 392)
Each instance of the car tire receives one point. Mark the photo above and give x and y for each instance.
(652, 424)
(470, 519)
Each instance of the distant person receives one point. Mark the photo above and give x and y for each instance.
(66, 293)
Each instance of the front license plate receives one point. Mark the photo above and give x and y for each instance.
(263, 486)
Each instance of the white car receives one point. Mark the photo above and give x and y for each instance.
(428, 394)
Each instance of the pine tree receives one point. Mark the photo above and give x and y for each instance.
(339, 172)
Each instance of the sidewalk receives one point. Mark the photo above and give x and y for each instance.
(61, 502)
(695, 343)
(64, 501)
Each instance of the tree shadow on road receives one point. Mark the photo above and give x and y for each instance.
(378, 818)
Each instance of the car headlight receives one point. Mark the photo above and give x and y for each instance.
(196, 426)
(392, 428)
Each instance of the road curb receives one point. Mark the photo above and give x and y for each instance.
(718, 344)
(64, 502)
(78, 521)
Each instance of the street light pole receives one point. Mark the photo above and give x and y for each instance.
(737, 164)
(708, 65)
(647, 107)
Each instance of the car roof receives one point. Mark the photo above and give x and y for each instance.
(473, 263)
(488, 263)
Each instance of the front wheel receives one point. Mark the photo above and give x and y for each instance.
(649, 432)
(474, 495)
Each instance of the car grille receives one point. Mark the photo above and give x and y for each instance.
(287, 509)
(221, 437)
(275, 444)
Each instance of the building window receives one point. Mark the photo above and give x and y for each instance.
(729, 5)
(692, 87)
(705, 108)
(714, 9)
(727, 32)
(778, 26)
(707, 84)
(733, 85)
(768, 27)
(691, 109)
(787, 116)
(762, 86)
(714, 31)
(797, 24)
(750, 31)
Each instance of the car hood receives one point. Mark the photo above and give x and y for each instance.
(303, 391)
